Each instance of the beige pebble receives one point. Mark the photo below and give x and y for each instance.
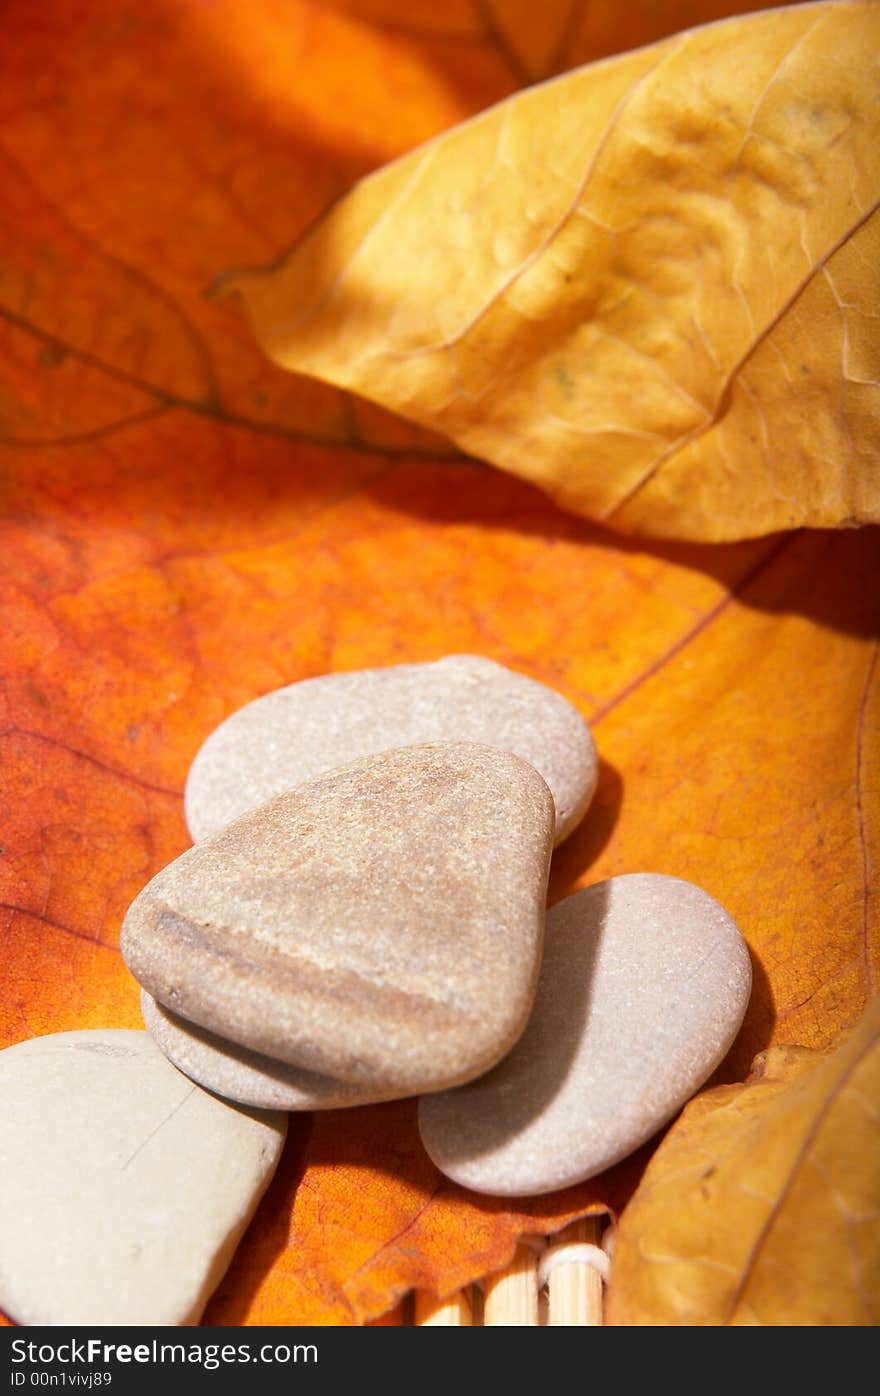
(643, 987)
(246, 1077)
(124, 1187)
(382, 924)
(286, 737)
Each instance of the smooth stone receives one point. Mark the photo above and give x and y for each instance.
(124, 1187)
(382, 924)
(286, 737)
(644, 984)
(246, 1077)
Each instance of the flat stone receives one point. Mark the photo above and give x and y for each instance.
(124, 1187)
(643, 987)
(286, 737)
(246, 1077)
(381, 924)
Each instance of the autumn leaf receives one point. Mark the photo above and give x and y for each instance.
(645, 286)
(358, 1216)
(184, 527)
(761, 1206)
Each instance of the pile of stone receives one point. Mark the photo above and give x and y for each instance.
(363, 917)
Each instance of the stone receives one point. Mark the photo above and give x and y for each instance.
(286, 737)
(643, 987)
(246, 1077)
(382, 924)
(124, 1187)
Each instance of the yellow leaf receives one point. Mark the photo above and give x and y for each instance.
(648, 286)
(761, 1206)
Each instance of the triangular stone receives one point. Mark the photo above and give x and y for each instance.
(381, 924)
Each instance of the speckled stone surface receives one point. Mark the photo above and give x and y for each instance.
(644, 984)
(246, 1077)
(286, 737)
(124, 1187)
(382, 924)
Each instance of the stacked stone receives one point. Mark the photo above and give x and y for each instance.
(362, 917)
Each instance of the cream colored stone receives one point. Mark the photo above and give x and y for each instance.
(381, 924)
(286, 737)
(644, 984)
(124, 1187)
(246, 1077)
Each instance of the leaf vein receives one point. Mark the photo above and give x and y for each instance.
(702, 428)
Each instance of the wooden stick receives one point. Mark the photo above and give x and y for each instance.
(443, 1313)
(512, 1296)
(575, 1288)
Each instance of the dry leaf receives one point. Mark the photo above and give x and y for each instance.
(648, 286)
(761, 1206)
(184, 527)
(358, 1215)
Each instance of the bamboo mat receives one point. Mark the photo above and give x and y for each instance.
(555, 1282)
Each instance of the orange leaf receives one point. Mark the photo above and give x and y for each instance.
(185, 527)
(762, 1204)
(645, 286)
